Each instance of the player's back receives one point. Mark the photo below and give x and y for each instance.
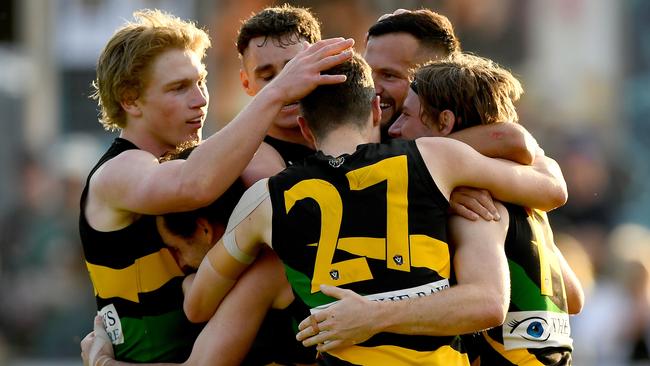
(373, 222)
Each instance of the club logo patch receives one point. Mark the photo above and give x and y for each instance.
(337, 162)
(334, 274)
(398, 259)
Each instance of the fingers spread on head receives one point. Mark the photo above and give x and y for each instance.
(335, 48)
(324, 43)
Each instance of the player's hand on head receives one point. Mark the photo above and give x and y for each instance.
(96, 347)
(302, 74)
(472, 204)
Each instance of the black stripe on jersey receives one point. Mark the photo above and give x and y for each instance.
(167, 298)
(415, 342)
(123, 254)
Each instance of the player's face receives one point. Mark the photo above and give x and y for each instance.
(175, 100)
(391, 56)
(262, 61)
(189, 252)
(409, 125)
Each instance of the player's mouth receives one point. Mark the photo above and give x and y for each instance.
(196, 122)
(384, 105)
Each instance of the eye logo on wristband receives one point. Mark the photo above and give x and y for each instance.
(536, 328)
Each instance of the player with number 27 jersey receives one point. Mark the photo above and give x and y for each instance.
(373, 222)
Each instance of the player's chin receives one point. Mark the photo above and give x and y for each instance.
(189, 139)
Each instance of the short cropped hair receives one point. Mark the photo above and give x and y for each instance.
(350, 102)
(476, 89)
(184, 224)
(284, 25)
(124, 65)
(434, 31)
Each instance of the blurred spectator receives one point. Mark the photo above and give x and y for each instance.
(44, 307)
(614, 325)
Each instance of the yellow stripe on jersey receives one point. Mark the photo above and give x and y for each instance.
(147, 274)
(430, 253)
(394, 171)
(520, 357)
(543, 239)
(398, 356)
(426, 252)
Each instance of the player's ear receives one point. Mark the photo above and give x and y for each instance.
(446, 121)
(204, 229)
(245, 82)
(306, 132)
(376, 111)
(131, 104)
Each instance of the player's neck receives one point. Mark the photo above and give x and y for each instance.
(344, 140)
(146, 142)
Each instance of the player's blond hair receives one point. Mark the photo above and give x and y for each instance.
(123, 68)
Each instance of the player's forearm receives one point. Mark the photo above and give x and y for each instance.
(554, 190)
(206, 292)
(538, 186)
(508, 141)
(220, 159)
(457, 310)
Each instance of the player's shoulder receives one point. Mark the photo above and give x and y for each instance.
(125, 166)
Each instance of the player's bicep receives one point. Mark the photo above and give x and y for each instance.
(249, 225)
(136, 182)
(479, 250)
(248, 229)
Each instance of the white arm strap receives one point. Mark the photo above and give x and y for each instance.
(251, 199)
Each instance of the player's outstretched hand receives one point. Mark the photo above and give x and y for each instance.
(302, 74)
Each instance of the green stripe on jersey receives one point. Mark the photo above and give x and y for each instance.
(525, 294)
(163, 338)
(302, 285)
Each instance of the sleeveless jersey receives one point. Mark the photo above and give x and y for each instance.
(536, 330)
(137, 285)
(373, 222)
(291, 152)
